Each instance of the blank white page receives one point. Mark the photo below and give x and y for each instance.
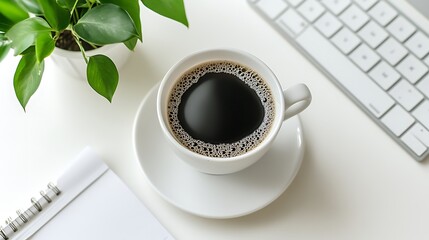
(104, 209)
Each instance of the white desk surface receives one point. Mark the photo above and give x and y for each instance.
(354, 183)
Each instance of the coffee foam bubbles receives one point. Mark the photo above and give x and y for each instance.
(223, 150)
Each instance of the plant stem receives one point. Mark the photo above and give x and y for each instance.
(73, 12)
(57, 35)
(82, 50)
(92, 45)
(90, 4)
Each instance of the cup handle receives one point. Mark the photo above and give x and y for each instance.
(296, 98)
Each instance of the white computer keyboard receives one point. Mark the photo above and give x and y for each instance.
(372, 51)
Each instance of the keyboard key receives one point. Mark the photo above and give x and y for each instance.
(420, 133)
(373, 34)
(392, 51)
(311, 10)
(426, 60)
(414, 144)
(357, 83)
(295, 3)
(328, 24)
(418, 44)
(365, 4)
(412, 69)
(383, 13)
(364, 57)
(384, 75)
(423, 86)
(346, 40)
(397, 120)
(354, 17)
(271, 8)
(406, 94)
(422, 113)
(336, 6)
(401, 28)
(292, 22)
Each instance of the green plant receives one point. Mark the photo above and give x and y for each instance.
(32, 28)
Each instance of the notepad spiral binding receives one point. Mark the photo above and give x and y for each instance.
(13, 225)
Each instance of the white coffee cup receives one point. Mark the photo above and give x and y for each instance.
(287, 103)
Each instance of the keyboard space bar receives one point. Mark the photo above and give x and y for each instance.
(348, 75)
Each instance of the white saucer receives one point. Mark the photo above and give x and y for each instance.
(215, 196)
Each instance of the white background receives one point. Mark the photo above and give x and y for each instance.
(354, 183)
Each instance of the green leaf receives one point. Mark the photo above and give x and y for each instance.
(12, 11)
(31, 6)
(57, 17)
(5, 23)
(102, 76)
(106, 24)
(133, 9)
(4, 50)
(4, 46)
(44, 46)
(131, 44)
(24, 33)
(27, 77)
(173, 9)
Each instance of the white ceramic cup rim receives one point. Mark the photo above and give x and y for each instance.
(198, 58)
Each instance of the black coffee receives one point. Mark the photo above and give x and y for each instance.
(220, 109)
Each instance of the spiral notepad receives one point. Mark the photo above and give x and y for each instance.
(23, 217)
(88, 202)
